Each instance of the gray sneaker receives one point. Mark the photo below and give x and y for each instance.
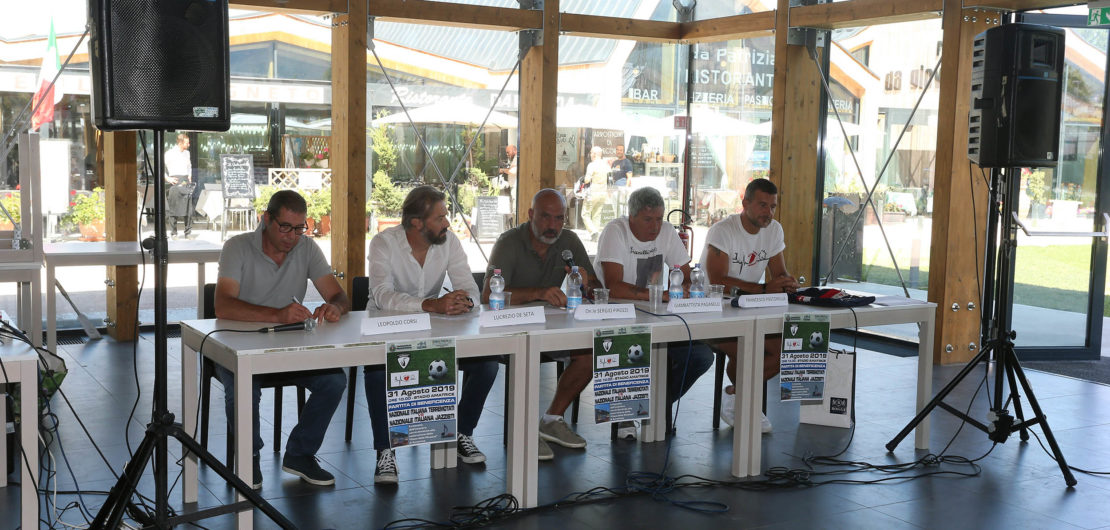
(545, 452)
(468, 452)
(559, 432)
(385, 472)
(626, 430)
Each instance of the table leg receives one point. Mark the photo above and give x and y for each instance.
(655, 429)
(924, 377)
(36, 311)
(746, 441)
(200, 289)
(189, 363)
(3, 439)
(244, 435)
(516, 451)
(528, 393)
(28, 391)
(51, 310)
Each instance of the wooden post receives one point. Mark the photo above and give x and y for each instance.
(348, 143)
(795, 116)
(121, 224)
(952, 264)
(539, 86)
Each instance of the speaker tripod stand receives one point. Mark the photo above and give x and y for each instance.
(998, 341)
(162, 425)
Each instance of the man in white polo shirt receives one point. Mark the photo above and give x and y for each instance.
(408, 264)
(635, 251)
(263, 278)
(739, 249)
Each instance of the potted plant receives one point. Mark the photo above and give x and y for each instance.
(387, 201)
(322, 159)
(319, 210)
(11, 204)
(262, 199)
(893, 213)
(1037, 191)
(308, 158)
(87, 212)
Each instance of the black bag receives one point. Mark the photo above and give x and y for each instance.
(829, 298)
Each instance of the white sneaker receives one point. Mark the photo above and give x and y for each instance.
(626, 430)
(728, 403)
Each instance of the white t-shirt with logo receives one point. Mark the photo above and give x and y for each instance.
(644, 262)
(747, 253)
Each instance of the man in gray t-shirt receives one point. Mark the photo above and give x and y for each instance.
(530, 259)
(263, 278)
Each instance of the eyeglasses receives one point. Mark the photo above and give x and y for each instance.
(285, 228)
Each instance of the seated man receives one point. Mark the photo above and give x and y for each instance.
(738, 250)
(408, 263)
(530, 259)
(638, 250)
(262, 279)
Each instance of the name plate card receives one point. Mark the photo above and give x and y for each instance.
(512, 317)
(396, 324)
(763, 300)
(604, 311)
(694, 305)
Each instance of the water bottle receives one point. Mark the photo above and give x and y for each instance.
(497, 291)
(676, 279)
(574, 289)
(697, 282)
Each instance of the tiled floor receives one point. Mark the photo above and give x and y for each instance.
(1019, 486)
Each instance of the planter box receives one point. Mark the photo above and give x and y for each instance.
(387, 222)
(894, 217)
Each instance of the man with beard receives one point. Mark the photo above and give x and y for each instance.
(408, 264)
(738, 250)
(261, 279)
(530, 259)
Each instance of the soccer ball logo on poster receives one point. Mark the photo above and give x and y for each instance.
(437, 369)
(635, 353)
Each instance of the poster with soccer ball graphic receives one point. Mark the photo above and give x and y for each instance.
(420, 391)
(804, 358)
(622, 373)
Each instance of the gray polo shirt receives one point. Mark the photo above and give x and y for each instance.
(261, 281)
(521, 266)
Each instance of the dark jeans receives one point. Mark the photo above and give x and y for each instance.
(326, 391)
(479, 378)
(701, 358)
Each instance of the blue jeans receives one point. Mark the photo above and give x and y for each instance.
(325, 392)
(480, 374)
(701, 358)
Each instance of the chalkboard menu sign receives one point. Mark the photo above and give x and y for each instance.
(703, 168)
(490, 223)
(608, 140)
(237, 172)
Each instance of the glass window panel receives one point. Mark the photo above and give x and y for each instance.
(875, 99)
(707, 9)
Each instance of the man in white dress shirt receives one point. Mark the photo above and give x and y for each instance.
(408, 264)
(179, 185)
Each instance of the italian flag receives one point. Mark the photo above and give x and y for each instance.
(47, 94)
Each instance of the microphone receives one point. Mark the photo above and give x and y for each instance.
(568, 257)
(308, 325)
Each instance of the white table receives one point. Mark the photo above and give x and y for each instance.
(28, 275)
(562, 332)
(339, 345)
(117, 253)
(770, 322)
(21, 365)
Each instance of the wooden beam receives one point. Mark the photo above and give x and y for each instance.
(348, 144)
(952, 266)
(539, 86)
(458, 15)
(728, 28)
(620, 28)
(796, 109)
(300, 7)
(1019, 5)
(121, 224)
(855, 13)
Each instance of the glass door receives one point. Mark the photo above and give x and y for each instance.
(1059, 283)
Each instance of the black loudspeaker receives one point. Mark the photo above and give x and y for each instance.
(160, 64)
(1017, 77)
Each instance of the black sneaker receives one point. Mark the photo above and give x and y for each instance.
(256, 482)
(468, 452)
(385, 472)
(308, 469)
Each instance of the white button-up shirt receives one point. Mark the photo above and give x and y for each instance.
(399, 283)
